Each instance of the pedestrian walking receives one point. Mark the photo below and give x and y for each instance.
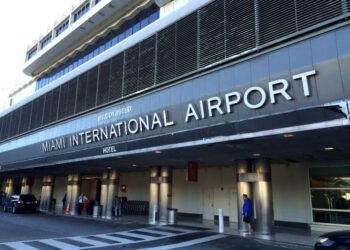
(247, 212)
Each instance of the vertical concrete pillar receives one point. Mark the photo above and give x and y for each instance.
(165, 193)
(69, 193)
(104, 193)
(113, 180)
(153, 197)
(110, 180)
(75, 193)
(263, 196)
(46, 193)
(9, 187)
(26, 185)
(73, 190)
(243, 187)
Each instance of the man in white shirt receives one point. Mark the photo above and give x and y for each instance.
(81, 201)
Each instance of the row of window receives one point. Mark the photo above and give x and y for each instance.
(140, 21)
(46, 41)
(207, 36)
(32, 53)
(81, 12)
(61, 28)
(330, 195)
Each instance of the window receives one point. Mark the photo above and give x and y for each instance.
(115, 36)
(32, 53)
(330, 195)
(62, 28)
(46, 41)
(81, 12)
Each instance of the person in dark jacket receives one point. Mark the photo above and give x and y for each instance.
(247, 212)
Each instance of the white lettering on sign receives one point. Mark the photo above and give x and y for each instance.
(109, 150)
(254, 97)
(115, 113)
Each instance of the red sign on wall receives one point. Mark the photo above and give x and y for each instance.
(192, 171)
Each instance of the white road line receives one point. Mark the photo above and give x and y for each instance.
(59, 244)
(179, 229)
(20, 246)
(141, 236)
(146, 230)
(95, 243)
(121, 240)
(188, 243)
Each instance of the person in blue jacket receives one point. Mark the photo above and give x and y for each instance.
(247, 212)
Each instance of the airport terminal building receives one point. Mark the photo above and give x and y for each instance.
(188, 105)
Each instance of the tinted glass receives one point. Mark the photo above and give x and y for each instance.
(28, 197)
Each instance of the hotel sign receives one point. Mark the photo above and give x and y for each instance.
(203, 109)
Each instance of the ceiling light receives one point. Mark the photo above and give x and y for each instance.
(288, 135)
(256, 154)
(158, 152)
(133, 165)
(109, 168)
(328, 148)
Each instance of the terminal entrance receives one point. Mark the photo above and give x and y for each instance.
(151, 183)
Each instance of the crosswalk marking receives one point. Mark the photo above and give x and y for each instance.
(59, 244)
(90, 241)
(158, 232)
(121, 240)
(20, 245)
(145, 237)
(109, 239)
(188, 243)
(182, 229)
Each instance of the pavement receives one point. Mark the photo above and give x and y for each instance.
(288, 235)
(58, 231)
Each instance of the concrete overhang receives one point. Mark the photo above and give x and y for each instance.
(104, 12)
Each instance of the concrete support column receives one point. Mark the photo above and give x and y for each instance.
(165, 194)
(73, 190)
(27, 184)
(110, 180)
(46, 193)
(153, 197)
(113, 182)
(243, 187)
(263, 196)
(9, 187)
(104, 193)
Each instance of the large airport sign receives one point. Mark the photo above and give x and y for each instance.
(208, 108)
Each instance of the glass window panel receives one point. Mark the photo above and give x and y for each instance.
(115, 40)
(108, 44)
(330, 182)
(136, 27)
(154, 16)
(331, 217)
(144, 22)
(128, 32)
(331, 199)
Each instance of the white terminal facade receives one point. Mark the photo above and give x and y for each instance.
(188, 105)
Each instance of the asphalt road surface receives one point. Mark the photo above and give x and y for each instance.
(42, 231)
